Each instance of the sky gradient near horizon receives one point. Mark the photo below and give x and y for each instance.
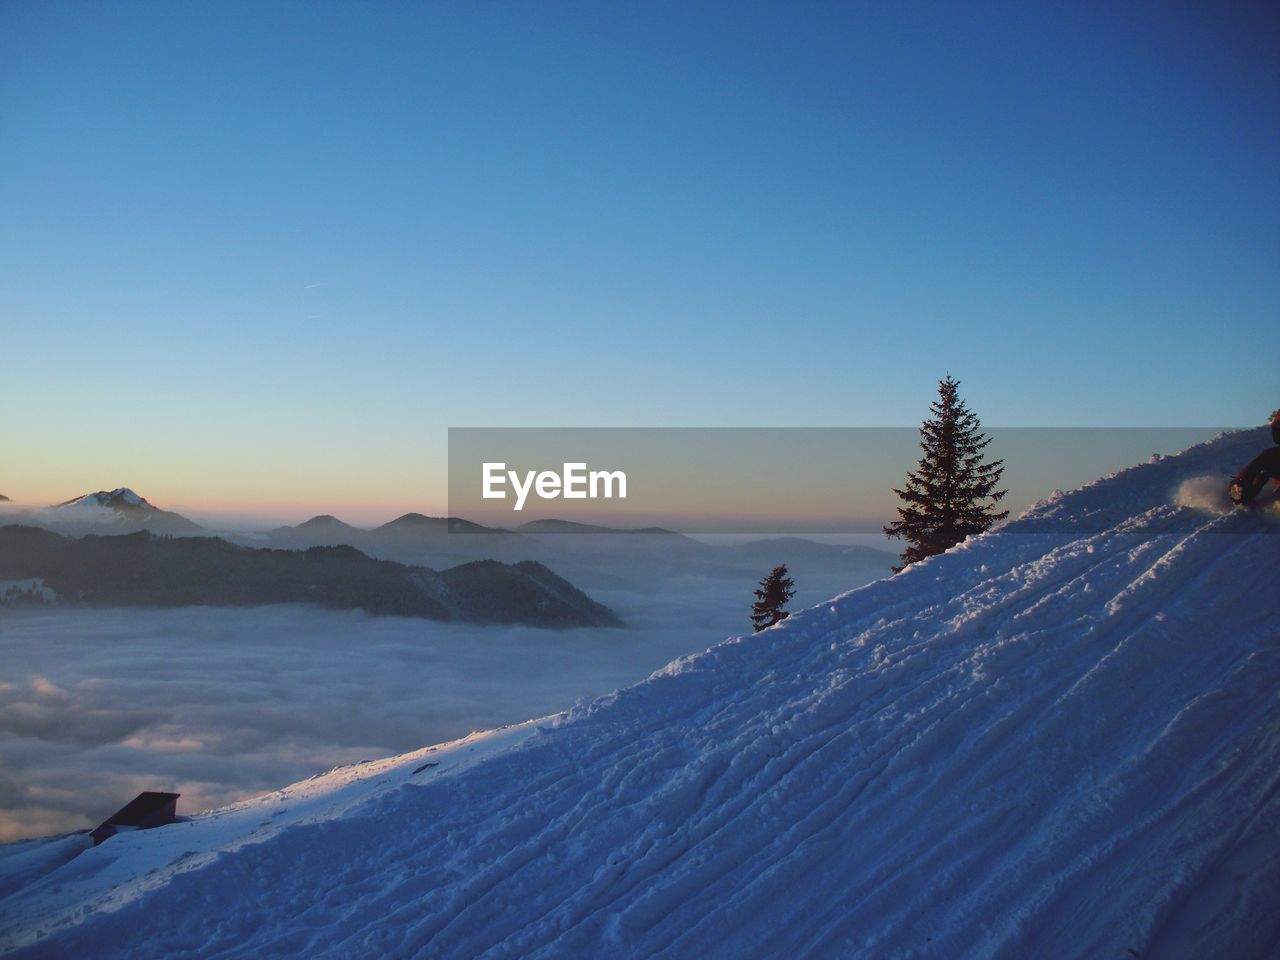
(257, 258)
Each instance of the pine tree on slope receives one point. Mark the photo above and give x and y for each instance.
(775, 591)
(952, 492)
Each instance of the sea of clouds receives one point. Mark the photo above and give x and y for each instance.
(223, 704)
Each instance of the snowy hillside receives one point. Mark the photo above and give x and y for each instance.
(1059, 740)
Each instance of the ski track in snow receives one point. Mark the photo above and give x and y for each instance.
(1059, 740)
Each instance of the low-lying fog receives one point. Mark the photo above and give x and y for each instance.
(223, 704)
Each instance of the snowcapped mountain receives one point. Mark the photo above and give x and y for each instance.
(108, 505)
(115, 511)
(1061, 739)
(120, 499)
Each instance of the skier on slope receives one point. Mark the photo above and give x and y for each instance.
(1247, 484)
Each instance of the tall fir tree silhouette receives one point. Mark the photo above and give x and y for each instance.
(952, 492)
(772, 596)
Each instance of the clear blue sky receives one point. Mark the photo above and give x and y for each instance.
(259, 253)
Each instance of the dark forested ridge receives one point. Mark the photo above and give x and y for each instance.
(146, 570)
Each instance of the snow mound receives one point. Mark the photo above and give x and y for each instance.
(1060, 739)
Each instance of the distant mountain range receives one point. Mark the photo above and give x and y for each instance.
(627, 559)
(146, 570)
(326, 529)
(612, 558)
(326, 526)
(568, 526)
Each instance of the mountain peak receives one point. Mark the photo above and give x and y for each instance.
(421, 522)
(326, 520)
(120, 509)
(118, 499)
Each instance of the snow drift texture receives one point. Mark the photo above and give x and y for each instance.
(1059, 740)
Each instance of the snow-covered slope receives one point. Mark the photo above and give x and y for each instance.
(1059, 740)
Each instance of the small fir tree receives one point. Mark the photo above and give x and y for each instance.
(952, 493)
(772, 596)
